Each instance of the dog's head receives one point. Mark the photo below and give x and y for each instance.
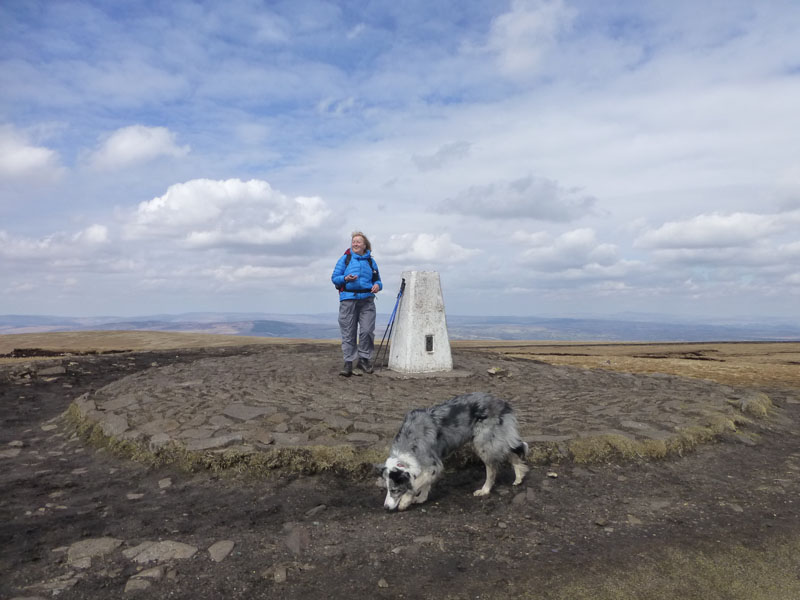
(398, 479)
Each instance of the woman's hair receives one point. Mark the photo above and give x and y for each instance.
(366, 239)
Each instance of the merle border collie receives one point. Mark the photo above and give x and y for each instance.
(428, 435)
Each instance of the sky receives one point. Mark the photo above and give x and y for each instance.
(546, 157)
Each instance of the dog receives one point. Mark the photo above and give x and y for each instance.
(428, 435)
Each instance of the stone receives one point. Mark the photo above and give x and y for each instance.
(158, 441)
(242, 412)
(113, 425)
(220, 421)
(382, 583)
(50, 371)
(136, 584)
(220, 550)
(338, 422)
(359, 437)
(260, 436)
(290, 439)
(154, 573)
(221, 441)
(10, 452)
(165, 551)
(123, 401)
(159, 426)
(130, 553)
(279, 574)
(79, 552)
(316, 510)
(297, 538)
(164, 483)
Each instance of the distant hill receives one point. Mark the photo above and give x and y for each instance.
(631, 328)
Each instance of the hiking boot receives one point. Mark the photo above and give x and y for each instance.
(347, 369)
(365, 365)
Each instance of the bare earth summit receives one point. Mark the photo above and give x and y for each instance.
(197, 467)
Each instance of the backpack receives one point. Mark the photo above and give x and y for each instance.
(375, 274)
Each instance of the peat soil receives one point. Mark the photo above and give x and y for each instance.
(327, 536)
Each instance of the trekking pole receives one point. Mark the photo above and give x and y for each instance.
(390, 324)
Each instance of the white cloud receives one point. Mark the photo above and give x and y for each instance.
(209, 213)
(136, 144)
(425, 248)
(576, 249)
(57, 246)
(447, 153)
(522, 37)
(714, 231)
(528, 197)
(19, 158)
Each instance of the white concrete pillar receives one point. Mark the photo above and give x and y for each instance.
(419, 341)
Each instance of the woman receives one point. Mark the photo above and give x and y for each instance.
(357, 278)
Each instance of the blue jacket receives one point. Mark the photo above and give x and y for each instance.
(358, 265)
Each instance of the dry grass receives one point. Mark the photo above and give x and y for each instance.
(734, 363)
(134, 341)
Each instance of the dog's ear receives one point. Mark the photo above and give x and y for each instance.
(399, 476)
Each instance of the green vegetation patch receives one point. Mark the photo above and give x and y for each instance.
(343, 459)
(729, 573)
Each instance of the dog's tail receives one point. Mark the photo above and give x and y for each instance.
(521, 450)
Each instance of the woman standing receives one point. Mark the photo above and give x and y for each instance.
(357, 278)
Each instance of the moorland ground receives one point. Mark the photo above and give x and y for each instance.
(719, 521)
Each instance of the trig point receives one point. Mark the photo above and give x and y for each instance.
(419, 341)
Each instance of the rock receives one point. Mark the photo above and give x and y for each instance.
(50, 371)
(279, 574)
(133, 496)
(158, 441)
(498, 372)
(337, 422)
(159, 426)
(123, 401)
(632, 520)
(113, 425)
(290, 439)
(362, 438)
(135, 584)
(154, 573)
(165, 483)
(316, 510)
(165, 551)
(79, 552)
(242, 412)
(10, 452)
(260, 436)
(16, 444)
(297, 538)
(220, 550)
(214, 442)
(130, 553)
(382, 583)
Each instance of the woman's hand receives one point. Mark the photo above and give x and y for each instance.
(350, 277)
(375, 288)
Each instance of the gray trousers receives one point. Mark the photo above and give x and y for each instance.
(357, 323)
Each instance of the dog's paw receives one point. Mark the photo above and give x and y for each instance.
(481, 492)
